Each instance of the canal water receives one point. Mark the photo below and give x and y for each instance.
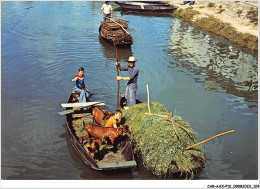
(210, 82)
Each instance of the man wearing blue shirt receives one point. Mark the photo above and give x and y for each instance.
(131, 88)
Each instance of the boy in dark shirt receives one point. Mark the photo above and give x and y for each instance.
(80, 85)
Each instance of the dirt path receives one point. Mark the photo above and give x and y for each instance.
(228, 11)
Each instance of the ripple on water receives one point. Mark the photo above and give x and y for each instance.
(208, 80)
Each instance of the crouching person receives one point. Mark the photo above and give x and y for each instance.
(113, 120)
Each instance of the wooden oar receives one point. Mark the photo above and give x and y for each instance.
(116, 69)
(90, 94)
(72, 110)
(231, 131)
(68, 111)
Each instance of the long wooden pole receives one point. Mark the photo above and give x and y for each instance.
(231, 131)
(148, 98)
(116, 69)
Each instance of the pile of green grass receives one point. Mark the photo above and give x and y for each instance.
(155, 146)
(78, 126)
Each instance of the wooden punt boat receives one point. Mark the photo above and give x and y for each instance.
(116, 29)
(142, 6)
(124, 148)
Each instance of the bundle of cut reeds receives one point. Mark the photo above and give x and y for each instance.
(157, 145)
(114, 25)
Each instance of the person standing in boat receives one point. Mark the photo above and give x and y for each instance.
(108, 12)
(131, 88)
(80, 86)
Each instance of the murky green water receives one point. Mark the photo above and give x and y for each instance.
(207, 80)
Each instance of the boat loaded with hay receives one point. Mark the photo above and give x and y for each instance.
(109, 157)
(115, 29)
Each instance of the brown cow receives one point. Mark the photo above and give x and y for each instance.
(99, 115)
(103, 132)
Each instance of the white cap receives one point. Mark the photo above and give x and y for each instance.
(131, 59)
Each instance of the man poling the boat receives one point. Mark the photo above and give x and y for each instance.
(108, 12)
(80, 87)
(131, 88)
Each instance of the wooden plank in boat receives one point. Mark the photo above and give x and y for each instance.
(117, 164)
(82, 115)
(81, 104)
(68, 111)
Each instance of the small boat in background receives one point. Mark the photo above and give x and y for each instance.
(146, 6)
(115, 30)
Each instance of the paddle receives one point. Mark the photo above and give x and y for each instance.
(68, 111)
(80, 104)
(116, 69)
(90, 94)
(72, 110)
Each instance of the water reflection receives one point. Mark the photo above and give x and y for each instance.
(109, 51)
(225, 67)
(46, 44)
(29, 4)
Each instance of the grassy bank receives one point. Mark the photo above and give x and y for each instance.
(216, 26)
(157, 149)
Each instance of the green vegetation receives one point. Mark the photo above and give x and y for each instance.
(210, 4)
(221, 10)
(225, 30)
(157, 148)
(239, 12)
(216, 26)
(187, 14)
(78, 126)
(252, 15)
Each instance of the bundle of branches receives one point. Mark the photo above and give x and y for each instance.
(111, 25)
(119, 35)
(157, 145)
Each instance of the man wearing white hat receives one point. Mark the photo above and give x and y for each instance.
(131, 88)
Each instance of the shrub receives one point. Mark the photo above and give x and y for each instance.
(210, 4)
(221, 10)
(186, 14)
(252, 15)
(239, 12)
